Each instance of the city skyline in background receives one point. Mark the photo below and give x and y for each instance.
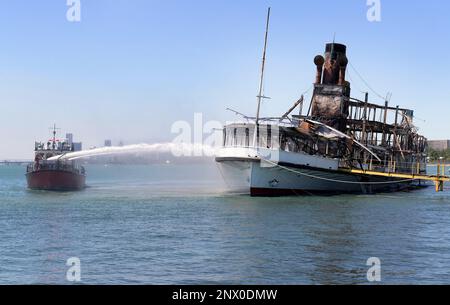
(129, 69)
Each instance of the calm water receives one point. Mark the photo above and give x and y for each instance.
(173, 224)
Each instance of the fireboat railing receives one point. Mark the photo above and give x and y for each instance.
(61, 166)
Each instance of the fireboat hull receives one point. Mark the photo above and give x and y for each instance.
(55, 180)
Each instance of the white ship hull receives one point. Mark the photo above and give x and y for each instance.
(295, 174)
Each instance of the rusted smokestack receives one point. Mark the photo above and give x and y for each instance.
(334, 52)
(319, 61)
(343, 61)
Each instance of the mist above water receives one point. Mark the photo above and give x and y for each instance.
(177, 149)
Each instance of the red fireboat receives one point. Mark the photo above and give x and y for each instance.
(51, 172)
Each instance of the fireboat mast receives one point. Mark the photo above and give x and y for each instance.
(54, 136)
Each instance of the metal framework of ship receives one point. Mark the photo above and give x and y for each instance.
(357, 132)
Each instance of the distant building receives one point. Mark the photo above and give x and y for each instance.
(120, 143)
(439, 145)
(108, 143)
(69, 138)
(77, 146)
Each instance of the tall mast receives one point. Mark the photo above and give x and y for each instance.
(53, 140)
(54, 136)
(54, 133)
(260, 96)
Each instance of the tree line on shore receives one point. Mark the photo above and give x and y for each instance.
(435, 155)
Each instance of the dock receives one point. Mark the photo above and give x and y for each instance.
(14, 162)
(438, 179)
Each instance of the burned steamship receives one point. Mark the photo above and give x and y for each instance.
(328, 150)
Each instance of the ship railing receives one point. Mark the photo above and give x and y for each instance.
(30, 168)
(58, 165)
(392, 166)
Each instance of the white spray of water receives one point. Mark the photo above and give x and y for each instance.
(177, 149)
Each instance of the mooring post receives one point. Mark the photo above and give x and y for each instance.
(439, 168)
(440, 186)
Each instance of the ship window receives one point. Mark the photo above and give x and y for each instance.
(283, 141)
(229, 137)
(224, 136)
(236, 137)
(247, 137)
(240, 137)
(290, 144)
(262, 137)
(257, 135)
(244, 136)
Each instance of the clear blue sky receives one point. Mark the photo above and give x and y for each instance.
(130, 68)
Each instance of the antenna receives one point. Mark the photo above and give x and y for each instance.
(260, 95)
(54, 129)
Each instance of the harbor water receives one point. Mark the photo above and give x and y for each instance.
(175, 224)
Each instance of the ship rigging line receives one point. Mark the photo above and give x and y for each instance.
(354, 83)
(366, 83)
(307, 90)
(335, 180)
